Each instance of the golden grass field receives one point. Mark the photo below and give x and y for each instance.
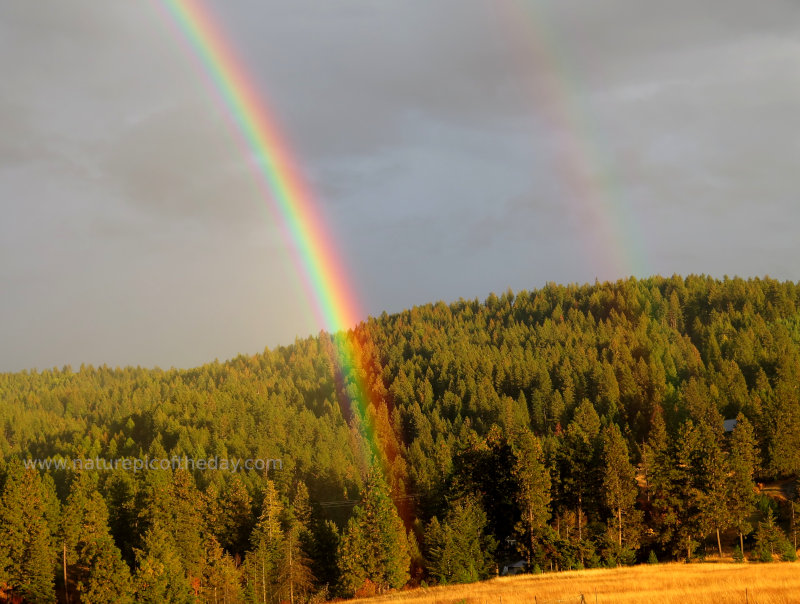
(717, 583)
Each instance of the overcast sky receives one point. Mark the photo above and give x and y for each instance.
(454, 147)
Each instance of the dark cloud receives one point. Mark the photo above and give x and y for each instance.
(181, 162)
(454, 146)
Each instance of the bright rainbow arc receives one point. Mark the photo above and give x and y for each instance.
(314, 252)
(288, 197)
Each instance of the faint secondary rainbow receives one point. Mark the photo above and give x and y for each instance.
(289, 199)
(591, 182)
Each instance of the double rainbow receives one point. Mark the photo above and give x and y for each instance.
(314, 254)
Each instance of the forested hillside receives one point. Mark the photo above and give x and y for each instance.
(567, 426)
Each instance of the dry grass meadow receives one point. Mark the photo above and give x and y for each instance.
(717, 583)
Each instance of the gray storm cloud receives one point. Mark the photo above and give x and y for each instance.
(432, 133)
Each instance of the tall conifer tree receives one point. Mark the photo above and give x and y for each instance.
(533, 490)
(458, 549)
(619, 487)
(160, 576)
(743, 461)
(30, 559)
(263, 560)
(102, 576)
(374, 547)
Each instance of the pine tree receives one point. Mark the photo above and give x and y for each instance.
(374, 546)
(25, 536)
(784, 417)
(81, 487)
(295, 580)
(120, 495)
(100, 573)
(262, 561)
(674, 493)
(355, 565)
(484, 467)
(187, 526)
(578, 465)
(533, 490)
(236, 520)
(690, 522)
(153, 500)
(160, 576)
(674, 313)
(324, 562)
(301, 515)
(301, 506)
(619, 487)
(220, 579)
(458, 549)
(72, 518)
(295, 577)
(743, 461)
(713, 489)
(520, 416)
(212, 508)
(770, 540)
(654, 449)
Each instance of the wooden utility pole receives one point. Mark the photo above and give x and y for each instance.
(64, 561)
(291, 569)
(263, 578)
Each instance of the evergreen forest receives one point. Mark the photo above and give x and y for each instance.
(566, 427)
